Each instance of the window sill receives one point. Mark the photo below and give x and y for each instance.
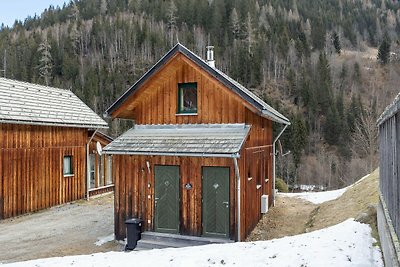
(68, 175)
(258, 186)
(186, 114)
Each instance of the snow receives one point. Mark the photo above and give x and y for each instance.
(346, 244)
(105, 239)
(317, 197)
(321, 197)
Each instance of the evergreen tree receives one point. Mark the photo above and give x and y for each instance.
(299, 138)
(384, 51)
(332, 126)
(336, 43)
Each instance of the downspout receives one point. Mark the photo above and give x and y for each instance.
(274, 164)
(238, 196)
(88, 165)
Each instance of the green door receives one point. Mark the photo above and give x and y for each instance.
(216, 202)
(166, 199)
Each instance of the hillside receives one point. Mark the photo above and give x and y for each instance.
(357, 201)
(313, 61)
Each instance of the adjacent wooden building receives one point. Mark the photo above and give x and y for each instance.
(199, 160)
(43, 146)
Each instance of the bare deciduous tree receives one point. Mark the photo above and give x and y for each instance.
(365, 138)
(45, 60)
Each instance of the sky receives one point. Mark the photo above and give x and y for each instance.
(10, 10)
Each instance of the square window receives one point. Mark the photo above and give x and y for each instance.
(68, 168)
(187, 98)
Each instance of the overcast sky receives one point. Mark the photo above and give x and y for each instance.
(10, 10)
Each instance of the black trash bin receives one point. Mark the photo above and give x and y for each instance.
(133, 232)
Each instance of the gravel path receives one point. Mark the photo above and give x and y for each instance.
(68, 229)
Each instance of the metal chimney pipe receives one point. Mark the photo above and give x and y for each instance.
(210, 56)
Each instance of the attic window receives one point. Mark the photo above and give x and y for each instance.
(187, 98)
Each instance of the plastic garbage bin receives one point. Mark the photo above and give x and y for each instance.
(133, 232)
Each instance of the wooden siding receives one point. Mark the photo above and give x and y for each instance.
(31, 167)
(389, 171)
(134, 191)
(156, 103)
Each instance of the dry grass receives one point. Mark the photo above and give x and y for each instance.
(292, 216)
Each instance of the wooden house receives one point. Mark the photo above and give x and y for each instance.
(99, 168)
(44, 135)
(199, 159)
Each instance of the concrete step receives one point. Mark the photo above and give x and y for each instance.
(154, 240)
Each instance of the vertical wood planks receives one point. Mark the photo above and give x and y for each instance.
(31, 174)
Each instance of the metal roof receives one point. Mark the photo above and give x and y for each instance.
(196, 140)
(264, 109)
(390, 110)
(27, 103)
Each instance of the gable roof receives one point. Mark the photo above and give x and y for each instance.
(27, 103)
(194, 140)
(264, 109)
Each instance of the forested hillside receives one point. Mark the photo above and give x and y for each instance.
(330, 65)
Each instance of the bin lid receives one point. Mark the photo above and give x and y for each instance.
(133, 221)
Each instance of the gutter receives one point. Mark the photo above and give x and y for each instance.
(88, 165)
(238, 196)
(274, 164)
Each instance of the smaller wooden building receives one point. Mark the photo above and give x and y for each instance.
(200, 159)
(43, 146)
(100, 166)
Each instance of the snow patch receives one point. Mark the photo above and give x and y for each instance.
(347, 244)
(321, 197)
(105, 239)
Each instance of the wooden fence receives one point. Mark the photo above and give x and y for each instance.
(389, 142)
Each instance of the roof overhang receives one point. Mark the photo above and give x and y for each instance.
(181, 140)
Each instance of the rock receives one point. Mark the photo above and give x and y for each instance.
(368, 216)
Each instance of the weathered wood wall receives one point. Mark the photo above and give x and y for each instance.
(389, 171)
(156, 103)
(31, 167)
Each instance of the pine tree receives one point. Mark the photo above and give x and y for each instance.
(336, 43)
(299, 138)
(332, 126)
(235, 24)
(384, 51)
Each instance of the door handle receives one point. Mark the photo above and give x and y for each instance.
(226, 203)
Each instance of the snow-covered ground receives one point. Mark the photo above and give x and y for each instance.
(346, 244)
(321, 197)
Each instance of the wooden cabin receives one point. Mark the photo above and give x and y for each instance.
(199, 160)
(99, 179)
(43, 146)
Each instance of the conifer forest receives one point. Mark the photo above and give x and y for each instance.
(331, 66)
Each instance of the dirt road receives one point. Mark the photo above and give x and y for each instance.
(69, 229)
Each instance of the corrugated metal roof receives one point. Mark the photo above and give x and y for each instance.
(218, 140)
(27, 103)
(264, 109)
(390, 110)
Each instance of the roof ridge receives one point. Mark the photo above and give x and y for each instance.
(12, 81)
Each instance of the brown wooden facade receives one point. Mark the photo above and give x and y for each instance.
(31, 167)
(155, 102)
